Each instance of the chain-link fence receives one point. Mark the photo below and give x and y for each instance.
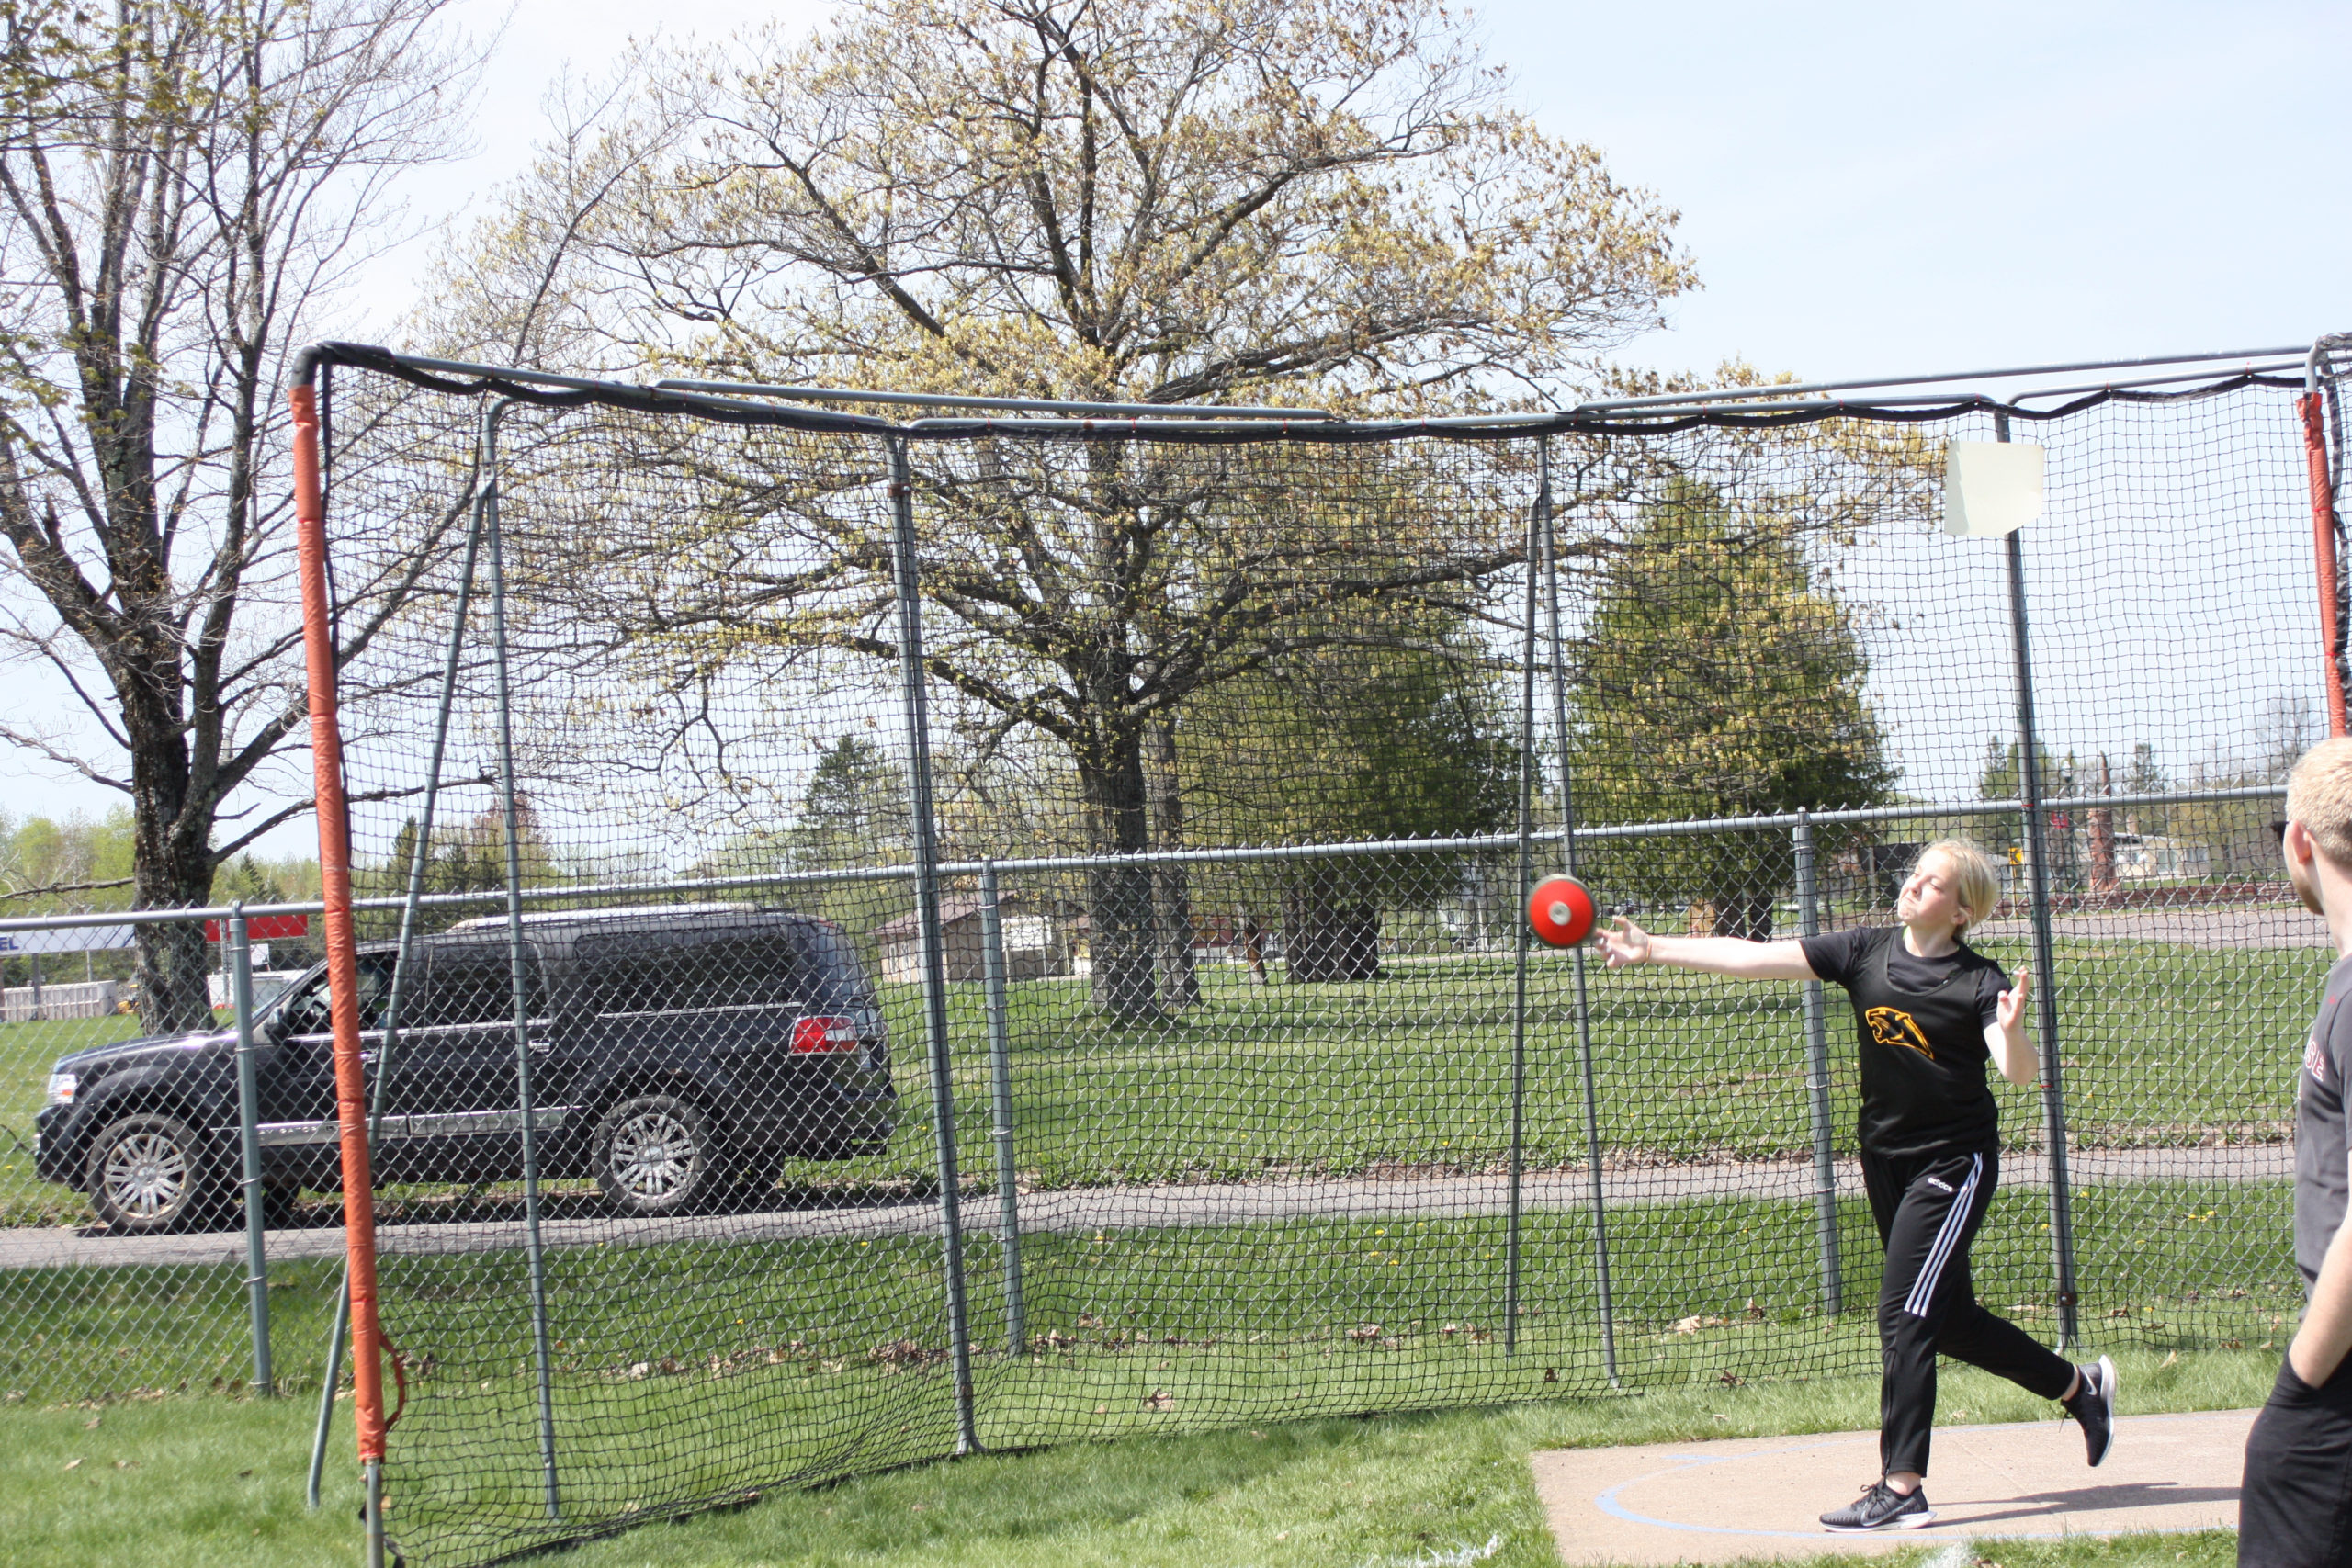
(876, 940)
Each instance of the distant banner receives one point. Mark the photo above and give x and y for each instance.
(69, 939)
(265, 928)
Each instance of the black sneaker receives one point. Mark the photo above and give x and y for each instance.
(1882, 1507)
(2093, 1406)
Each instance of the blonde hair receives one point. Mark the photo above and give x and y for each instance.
(1976, 878)
(2319, 795)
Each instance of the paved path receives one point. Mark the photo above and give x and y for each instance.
(1761, 1497)
(2258, 926)
(1405, 1195)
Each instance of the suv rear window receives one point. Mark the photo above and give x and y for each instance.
(658, 973)
(841, 983)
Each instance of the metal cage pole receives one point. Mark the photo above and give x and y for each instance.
(1016, 1318)
(2053, 1100)
(542, 1352)
(1816, 1078)
(321, 659)
(420, 858)
(927, 919)
(1525, 865)
(2320, 475)
(241, 998)
(1595, 1191)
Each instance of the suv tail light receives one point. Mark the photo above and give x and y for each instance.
(824, 1036)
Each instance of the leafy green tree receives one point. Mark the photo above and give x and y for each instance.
(1720, 675)
(72, 866)
(1146, 200)
(857, 811)
(469, 857)
(1396, 730)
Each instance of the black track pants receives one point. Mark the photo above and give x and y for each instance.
(1928, 1208)
(2295, 1509)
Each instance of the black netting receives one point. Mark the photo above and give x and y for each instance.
(1236, 753)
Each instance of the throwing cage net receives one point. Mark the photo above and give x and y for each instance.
(869, 942)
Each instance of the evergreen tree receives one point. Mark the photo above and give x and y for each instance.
(1720, 675)
(1399, 728)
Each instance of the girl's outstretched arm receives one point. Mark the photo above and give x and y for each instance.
(1626, 943)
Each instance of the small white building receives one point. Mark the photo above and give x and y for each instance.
(2157, 857)
(80, 998)
(1035, 949)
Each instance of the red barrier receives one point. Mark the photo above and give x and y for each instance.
(264, 927)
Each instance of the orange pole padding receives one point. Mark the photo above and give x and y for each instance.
(2323, 551)
(342, 949)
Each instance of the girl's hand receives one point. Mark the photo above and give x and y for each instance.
(1627, 944)
(2011, 1007)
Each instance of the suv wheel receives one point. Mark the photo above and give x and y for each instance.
(151, 1173)
(656, 1154)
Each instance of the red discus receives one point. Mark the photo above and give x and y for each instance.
(1560, 910)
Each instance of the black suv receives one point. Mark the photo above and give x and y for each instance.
(678, 1055)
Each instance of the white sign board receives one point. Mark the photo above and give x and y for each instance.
(67, 939)
(1991, 487)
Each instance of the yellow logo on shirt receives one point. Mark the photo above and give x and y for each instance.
(1894, 1027)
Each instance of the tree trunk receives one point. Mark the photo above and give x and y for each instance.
(1171, 902)
(1744, 912)
(1326, 934)
(172, 860)
(1119, 896)
(2102, 836)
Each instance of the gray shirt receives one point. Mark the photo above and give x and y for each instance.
(2323, 1135)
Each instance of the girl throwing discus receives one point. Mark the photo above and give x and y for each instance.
(1928, 1013)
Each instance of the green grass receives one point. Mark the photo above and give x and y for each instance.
(692, 1373)
(219, 1482)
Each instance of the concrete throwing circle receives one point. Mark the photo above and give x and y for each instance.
(1761, 1497)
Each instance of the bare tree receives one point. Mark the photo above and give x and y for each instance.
(2287, 727)
(183, 186)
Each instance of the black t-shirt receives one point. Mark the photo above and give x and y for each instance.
(2322, 1125)
(1835, 954)
(1919, 1023)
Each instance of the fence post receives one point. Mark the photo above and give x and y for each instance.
(2053, 1100)
(541, 1350)
(1595, 1191)
(1017, 1321)
(934, 949)
(1816, 1076)
(241, 1000)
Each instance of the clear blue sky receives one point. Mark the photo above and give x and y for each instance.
(1866, 188)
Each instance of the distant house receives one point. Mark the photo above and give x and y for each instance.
(1034, 948)
(2152, 857)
